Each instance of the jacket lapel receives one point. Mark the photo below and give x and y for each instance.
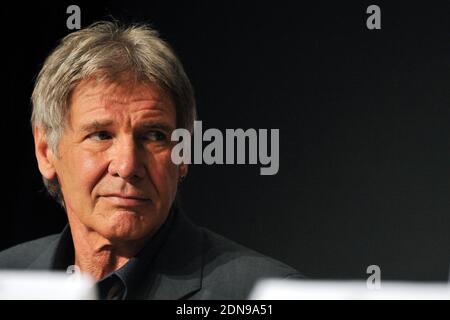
(177, 271)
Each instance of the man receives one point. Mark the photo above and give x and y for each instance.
(104, 106)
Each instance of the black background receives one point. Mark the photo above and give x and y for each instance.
(364, 119)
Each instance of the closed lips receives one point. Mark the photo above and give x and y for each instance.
(133, 197)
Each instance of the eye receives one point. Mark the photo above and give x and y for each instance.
(100, 135)
(155, 136)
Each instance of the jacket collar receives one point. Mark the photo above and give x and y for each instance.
(45, 260)
(178, 266)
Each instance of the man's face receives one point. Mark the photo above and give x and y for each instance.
(114, 163)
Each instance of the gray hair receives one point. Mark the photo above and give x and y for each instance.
(106, 51)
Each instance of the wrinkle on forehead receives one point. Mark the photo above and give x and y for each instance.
(114, 94)
(118, 92)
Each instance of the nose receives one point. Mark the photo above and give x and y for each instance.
(127, 161)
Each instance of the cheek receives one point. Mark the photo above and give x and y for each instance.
(85, 170)
(92, 170)
(164, 174)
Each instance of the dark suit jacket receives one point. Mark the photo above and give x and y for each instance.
(193, 263)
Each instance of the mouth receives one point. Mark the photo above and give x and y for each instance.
(127, 200)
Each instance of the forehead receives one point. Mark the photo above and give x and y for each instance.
(92, 98)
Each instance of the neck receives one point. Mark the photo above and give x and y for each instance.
(97, 255)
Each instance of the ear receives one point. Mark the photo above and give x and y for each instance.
(183, 170)
(44, 154)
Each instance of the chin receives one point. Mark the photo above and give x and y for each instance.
(126, 226)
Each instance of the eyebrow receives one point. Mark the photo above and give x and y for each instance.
(97, 125)
(155, 125)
